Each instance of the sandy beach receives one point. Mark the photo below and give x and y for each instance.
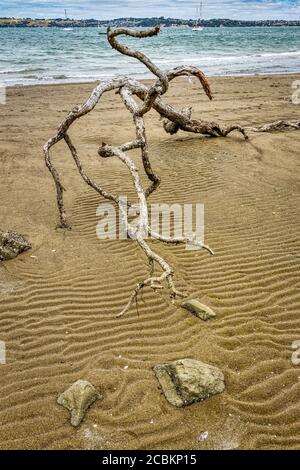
(59, 301)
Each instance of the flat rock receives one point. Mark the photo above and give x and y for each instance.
(77, 399)
(11, 245)
(198, 309)
(187, 381)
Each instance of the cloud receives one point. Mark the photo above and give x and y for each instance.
(104, 9)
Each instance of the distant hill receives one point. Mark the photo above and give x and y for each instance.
(136, 22)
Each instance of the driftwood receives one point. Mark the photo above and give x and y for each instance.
(277, 126)
(173, 121)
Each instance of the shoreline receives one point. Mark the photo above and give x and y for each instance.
(210, 77)
(162, 26)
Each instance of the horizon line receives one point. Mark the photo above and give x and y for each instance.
(141, 18)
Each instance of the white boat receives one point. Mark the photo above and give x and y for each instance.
(198, 26)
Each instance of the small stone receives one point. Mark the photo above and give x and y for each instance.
(11, 245)
(187, 381)
(198, 309)
(77, 399)
(203, 436)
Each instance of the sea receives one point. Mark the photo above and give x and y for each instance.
(30, 56)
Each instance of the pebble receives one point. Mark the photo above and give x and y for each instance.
(203, 437)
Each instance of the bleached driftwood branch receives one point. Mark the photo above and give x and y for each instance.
(173, 121)
(276, 126)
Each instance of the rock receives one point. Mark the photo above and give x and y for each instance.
(11, 245)
(198, 309)
(187, 381)
(77, 399)
(203, 436)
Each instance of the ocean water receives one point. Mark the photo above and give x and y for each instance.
(53, 55)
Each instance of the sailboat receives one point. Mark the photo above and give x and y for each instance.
(67, 28)
(197, 26)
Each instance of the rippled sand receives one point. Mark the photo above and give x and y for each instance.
(58, 303)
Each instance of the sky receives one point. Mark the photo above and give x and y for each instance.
(109, 9)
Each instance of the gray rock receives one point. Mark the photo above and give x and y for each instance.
(77, 399)
(187, 381)
(11, 245)
(198, 309)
